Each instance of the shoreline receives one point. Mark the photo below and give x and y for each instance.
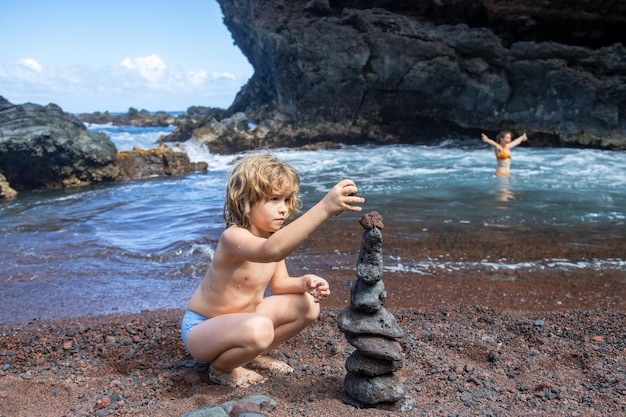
(479, 341)
(517, 269)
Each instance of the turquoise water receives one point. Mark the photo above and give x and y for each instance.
(150, 241)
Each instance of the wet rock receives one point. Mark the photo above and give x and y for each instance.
(161, 161)
(44, 147)
(422, 71)
(6, 192)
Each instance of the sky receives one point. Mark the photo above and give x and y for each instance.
(97, 55)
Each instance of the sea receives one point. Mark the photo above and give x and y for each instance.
(144, 245)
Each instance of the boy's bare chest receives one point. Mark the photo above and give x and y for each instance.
(254, 275)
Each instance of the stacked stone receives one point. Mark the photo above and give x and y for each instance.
(370, 380)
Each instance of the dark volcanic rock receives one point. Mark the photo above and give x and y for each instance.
(372, 330)
(44, 147)
(380, 323)
(133, 117)
(143, 118)
(376, 346)
(398, 72)
(370, 264)
(374, 390)
(368, 365)
(366, 297)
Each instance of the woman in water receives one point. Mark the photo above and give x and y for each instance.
(503, 150)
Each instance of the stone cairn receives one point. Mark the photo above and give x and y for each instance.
(370, 380)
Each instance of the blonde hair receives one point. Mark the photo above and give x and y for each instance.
(254, 180)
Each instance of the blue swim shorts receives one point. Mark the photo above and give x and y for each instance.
(190, 320)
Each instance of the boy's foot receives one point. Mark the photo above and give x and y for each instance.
(271, 364)
(238, 377)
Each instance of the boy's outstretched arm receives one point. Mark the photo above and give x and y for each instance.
(343, 196)
(283, 242)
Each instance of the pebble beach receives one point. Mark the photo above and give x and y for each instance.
(476, 343)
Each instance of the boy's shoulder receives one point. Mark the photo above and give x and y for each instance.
(234, 232)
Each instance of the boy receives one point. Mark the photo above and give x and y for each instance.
(229, 323)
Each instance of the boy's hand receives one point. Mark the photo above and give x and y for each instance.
(342, 197)
(317, 287)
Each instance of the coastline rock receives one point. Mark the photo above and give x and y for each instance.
(144, 118)
(44, 147)
(388, 72)
(6, 192)
(162, 161)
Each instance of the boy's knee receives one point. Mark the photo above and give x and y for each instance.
(313, 311)
(260, 330)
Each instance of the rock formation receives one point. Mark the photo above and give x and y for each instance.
(6, 192)
(44, 147)
(370, 380)
(144, 118)
(388, 71)
(162, 161)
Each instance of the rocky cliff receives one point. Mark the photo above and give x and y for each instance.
(395, 71)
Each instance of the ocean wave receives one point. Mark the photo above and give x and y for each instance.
(430, 265)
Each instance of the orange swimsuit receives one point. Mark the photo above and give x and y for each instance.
(505, 153)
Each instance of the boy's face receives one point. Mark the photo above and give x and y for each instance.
(269, 215)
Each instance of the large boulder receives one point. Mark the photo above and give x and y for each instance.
(6, 192)
(162, 161)
(396, 72)
(44, 147)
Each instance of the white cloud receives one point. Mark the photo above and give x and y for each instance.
(225, 75)
(141, 82)
(30, 64)
(151, 67)
(196, 77)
